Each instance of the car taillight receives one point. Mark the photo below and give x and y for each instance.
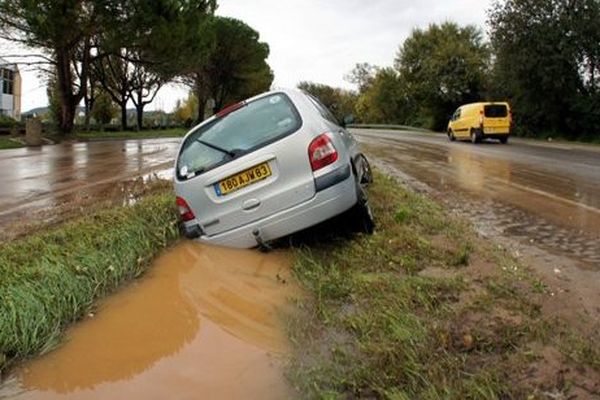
(322, 152)
(185, 212)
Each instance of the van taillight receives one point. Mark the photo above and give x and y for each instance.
(481, 118)
(322, 152)
(185, 212)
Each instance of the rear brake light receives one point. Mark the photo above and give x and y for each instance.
(230, 109)
(185, 212)
(322, 152)
(481, 117)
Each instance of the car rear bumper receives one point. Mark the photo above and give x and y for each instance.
(324, 205)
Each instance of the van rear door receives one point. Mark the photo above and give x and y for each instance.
(497, 118)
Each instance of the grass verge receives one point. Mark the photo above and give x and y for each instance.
(145, 134)
(425, 309)
(9, 144)
(50, 280)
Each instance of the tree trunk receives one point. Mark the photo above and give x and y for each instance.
(140, 115)
(64, 80)
(67, 118)
(201, 96)
(124, 117)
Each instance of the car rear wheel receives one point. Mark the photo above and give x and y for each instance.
(451, 135)
(362, 216)
(367, 177)
(504, 140)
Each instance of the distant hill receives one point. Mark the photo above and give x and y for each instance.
(35, 111)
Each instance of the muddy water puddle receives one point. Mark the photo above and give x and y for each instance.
(205, 322)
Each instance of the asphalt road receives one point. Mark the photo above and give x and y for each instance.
(37, 179)
(544, 193)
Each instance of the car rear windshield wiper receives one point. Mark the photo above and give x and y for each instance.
(215, 147)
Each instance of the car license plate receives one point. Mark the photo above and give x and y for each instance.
(243, 179)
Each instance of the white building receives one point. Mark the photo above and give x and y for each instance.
(10, 90)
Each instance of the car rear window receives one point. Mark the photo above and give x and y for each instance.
(247, 129)
(496, 111)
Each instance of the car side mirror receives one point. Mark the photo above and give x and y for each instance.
(348, 120)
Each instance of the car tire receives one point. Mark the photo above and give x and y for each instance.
(367, 177)
(474, 136)
(451, 136)
(361, 213)
(504, 140)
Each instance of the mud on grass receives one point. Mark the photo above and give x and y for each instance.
(426, 309)
(49, 280)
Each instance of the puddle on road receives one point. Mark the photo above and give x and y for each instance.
(58, 208)
(205, 322)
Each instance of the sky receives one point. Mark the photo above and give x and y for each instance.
(316, 40)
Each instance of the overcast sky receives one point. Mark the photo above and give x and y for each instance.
(318, 40)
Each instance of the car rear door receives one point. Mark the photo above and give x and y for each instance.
(274, 177)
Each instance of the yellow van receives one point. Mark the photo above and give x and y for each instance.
(479, 121)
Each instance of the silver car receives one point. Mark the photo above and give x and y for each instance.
(267, 167)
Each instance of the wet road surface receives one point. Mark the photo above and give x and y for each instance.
(540, 201)
(47, 177)
(548, 194)
(205, 322)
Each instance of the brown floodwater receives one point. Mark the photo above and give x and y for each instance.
(205, 322)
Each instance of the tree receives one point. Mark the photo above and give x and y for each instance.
(104, 109)
(443, 66)
(547, 62)
(363, 76)
(61, 28)
(229, 63)
(386, 101)
(115, 73)
(145, 84)
(186, 111)
(339, 101)
(66, 31)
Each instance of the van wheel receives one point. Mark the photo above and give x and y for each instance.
(504, 140)
(474, 137)
(451, 135)
(362, 216)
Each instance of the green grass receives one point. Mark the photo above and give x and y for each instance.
(423, 309)
(9, 144)
(50, 280)
(145, 134)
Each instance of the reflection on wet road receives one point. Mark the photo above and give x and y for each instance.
(547, 194)
(205, 322)
(49, 176)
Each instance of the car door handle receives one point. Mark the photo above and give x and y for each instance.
(250, 204)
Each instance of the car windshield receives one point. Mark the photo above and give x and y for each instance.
(496, 111)
(253, 126)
